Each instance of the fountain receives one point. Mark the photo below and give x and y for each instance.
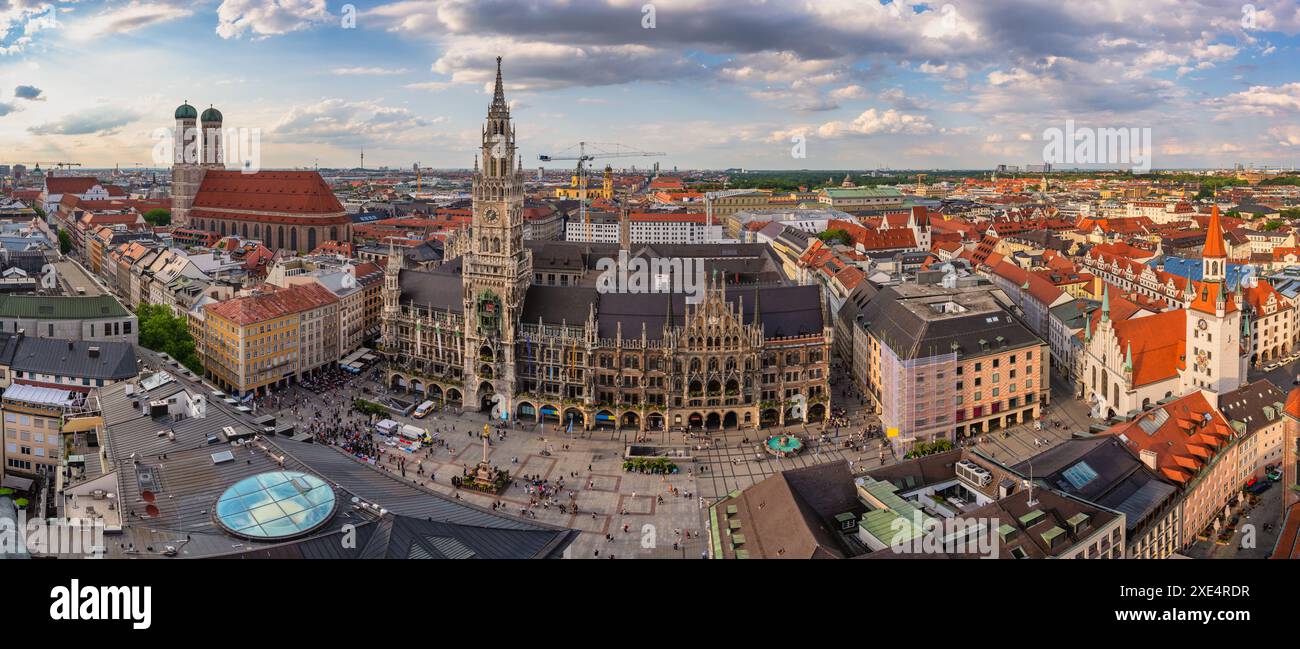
(784, 445)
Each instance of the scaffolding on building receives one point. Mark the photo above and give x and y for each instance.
(917, 398)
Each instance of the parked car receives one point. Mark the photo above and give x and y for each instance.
(1270, 367)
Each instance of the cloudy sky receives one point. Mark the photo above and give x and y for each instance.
(713, 83)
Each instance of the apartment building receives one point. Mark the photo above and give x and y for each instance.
(1190, 444)
(271, 338)
(949, 363)
(33, 422)
(359, 288)
(1256, 412)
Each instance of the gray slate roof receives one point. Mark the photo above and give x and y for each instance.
(1121, 481)
(115, 360)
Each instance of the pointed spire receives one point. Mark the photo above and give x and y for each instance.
(1214, 237)
(499, 93)
(1105, 303)
(1087, 329)
(1128, 358)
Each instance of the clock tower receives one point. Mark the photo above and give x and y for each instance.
(1214, 339)
(497, 268)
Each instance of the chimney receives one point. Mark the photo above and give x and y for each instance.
(94, 352)
(1149, 458)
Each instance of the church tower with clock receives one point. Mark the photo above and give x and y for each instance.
(497, 268)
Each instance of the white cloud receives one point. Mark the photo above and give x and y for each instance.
(1264, 100)
(123, 19)
(1287, 136)
(873, 122)
(846, 93)
(536, 65)
(263, 18)
(336, 120)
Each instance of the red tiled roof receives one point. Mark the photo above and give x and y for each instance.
(667, 182)
(69, 184)
(1041, 288)
(1258, 296)
(1121, 308)
(875, 239)
(850, 277)
(1122, 249)
(1136, 268)
(1280, 253)
(334, 248)
(1293, 403)
(1158, 343)
(276, 192)
(273, 304)
(368, 273)
(1287, 547)
(1206, 294)
(1186, 440)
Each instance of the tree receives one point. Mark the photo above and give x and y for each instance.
(65, 241)
(835, 236)
(1271, 226)
(163, 332)
(158, 217)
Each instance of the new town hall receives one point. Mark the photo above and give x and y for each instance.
(520, 328)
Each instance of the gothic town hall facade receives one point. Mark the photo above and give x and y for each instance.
(482, 332)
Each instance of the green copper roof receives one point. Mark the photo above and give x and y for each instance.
(186, 111)
(863, 192)
(211, 115)
(60, 307)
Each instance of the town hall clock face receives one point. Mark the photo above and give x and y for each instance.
(1202, 324)
(490, 215)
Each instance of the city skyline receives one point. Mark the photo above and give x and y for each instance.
(713, 84)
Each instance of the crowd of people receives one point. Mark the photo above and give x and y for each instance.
(325, 408)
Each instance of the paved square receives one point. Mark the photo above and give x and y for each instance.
(597, 482)
(637, 505)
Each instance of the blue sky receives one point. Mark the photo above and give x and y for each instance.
(713, 83)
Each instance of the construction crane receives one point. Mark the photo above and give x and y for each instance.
(59, 165)
(618, 151)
